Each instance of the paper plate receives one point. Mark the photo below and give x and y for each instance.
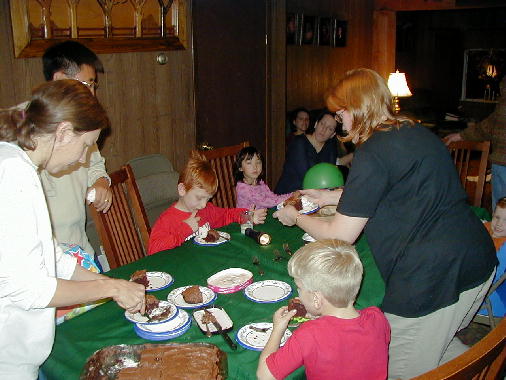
(308, 238)
(224, 238)
(172, 326)
(158, 281)
(268, 291)
(221, 316)
(230, 280)
(307, 206)
(138, 318)
(255, 340)
(162, 336)
(176, 298)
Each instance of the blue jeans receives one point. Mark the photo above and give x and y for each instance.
(498, 183)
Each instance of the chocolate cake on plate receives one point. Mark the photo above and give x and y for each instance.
(140, 277)
(192, 295)
(295, 200)
(295, 304)
(212, 236)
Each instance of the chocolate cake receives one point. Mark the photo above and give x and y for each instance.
(212, 236)
(295, 304)
(153, 309)
(295, 200)
(192, 294)
(176, 362)
(140, 277)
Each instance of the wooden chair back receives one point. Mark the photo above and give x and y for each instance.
(222, 161)
(473, 183)
(485, 360)
(123, 230)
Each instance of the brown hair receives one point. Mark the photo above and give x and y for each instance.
(501, 203)
(52, 103)
(365, 94)
(198, 172)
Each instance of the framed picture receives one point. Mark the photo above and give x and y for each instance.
(483, 71)
(293, 28)
(325, 31)
(339, 33)
(309, 30)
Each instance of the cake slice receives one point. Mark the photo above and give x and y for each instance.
(295, 200)
(212, 236)
(192, 295)
(295, 304)
(140, 277)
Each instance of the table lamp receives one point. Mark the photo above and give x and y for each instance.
(398, 87)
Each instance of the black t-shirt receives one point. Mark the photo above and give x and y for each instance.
(428, 244)
(300, 156)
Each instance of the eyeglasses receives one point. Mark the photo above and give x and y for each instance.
(93, 85)
(339, 116)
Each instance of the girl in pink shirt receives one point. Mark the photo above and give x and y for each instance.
(250, 188)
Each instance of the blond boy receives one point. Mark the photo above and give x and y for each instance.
(196, 186)
(343, 343)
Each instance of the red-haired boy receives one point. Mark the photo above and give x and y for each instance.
(196, 186)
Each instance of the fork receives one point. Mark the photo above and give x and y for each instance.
(286, 247)
(257, 263)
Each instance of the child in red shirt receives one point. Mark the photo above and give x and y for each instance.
(196, 186)
(343, 343)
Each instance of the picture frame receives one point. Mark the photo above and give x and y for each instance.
(325, 31)
(340, 32)
(309, 30)
(483, 71)
(293, 28)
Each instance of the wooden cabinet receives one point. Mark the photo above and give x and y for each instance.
(105, 26)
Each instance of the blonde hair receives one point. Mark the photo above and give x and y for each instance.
(331, 267)
(198, 173)
(365, 94)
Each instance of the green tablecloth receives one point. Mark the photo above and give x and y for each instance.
(189, 264)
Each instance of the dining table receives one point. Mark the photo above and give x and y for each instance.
(192, 264)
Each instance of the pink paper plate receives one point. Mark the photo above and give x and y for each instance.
(230, 280)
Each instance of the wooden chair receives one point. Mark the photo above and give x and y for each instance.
(461, 152)
(124, 230)
(485, 360)
(222, 160)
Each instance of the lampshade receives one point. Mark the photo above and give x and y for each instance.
(397, 84)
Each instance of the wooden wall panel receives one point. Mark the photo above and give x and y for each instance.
(311, 70)
(151, 106)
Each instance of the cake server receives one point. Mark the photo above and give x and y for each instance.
(225, 336)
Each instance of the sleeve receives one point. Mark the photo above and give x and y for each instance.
(97, 167)
(24, 278)
(359, 198)
(65, 264)
(287, 359)
(219, 217)
(296, 164)
(168, 232)
(480, 131)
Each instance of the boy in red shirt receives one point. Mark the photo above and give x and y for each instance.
(343, 343)
(181, 221)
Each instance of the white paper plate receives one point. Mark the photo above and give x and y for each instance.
(173, 325)
(158, 281)
(220, 315)
(308, 238)
(224, 237)
(255, 340)
(231, 279)
(307, 206)
(177, 299)
(139, 318)
(268, 291)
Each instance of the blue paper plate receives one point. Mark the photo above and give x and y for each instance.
(254, 340)
(141, 319)
(162, 336)
(158, 281)
(176, 297)
(268, 291)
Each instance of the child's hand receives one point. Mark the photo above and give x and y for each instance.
(282, 317)
(193, 221)
(259, 216)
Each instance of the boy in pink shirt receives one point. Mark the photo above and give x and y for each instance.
(196, 186)
(343, 343)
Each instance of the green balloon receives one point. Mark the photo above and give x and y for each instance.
(323, 176)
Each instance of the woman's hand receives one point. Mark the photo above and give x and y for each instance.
(286, 215)
(259, 215)
(129, 295)
(323, 197)
(103, 195)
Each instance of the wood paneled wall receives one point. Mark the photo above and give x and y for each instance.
(311, 70)
(151, 106)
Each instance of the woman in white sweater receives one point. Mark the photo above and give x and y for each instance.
(55, 131)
